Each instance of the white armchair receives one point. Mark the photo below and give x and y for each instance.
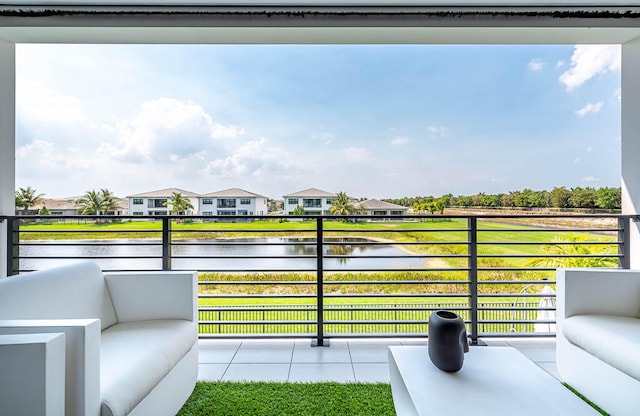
(598, 336)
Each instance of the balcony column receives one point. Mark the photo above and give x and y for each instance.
(630, 149)
(7, 141)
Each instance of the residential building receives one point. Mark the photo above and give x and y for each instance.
(313, 201)
(56, 206)
(155, 202)
(376, 208)
(232, 201)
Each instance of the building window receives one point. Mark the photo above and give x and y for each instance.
(207, 201)
(292, 201)
(138, 201)
(157, 203)
(208, 213)
(379, 213)
(397, 213)
(312, 203)
(138, 213)
(226, 213)
(227, 203)
(329, 201)
(243, 212)
(245, 201)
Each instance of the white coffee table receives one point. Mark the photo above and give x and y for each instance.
(494, 381)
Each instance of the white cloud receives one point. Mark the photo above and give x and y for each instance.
(536, 64)
(590, 179)
(437, 131)
(260, 160)
(399, 141)
(589, 149)
(589, 108)
(560, 63)
(166, 129)
(356, 154)
(576, 160)
(50, 159)
(618, 94)
(36, 103)
(588, 61)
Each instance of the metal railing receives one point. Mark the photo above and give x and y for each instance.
(328, 277)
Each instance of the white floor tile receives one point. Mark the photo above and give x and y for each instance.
(267, 353)
(371, 372)
(211, 372)
(257, 372)
(550, 368)
(369, 353)
(332, 354)
(222, 353)
(314, 372)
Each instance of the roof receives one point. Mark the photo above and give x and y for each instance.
(311, 192)
(57, 204)
(376, 204)
(233, 193)
(164, 193)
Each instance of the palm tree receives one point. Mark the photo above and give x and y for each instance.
(342, 205)
(109, 201)
(27, 197)
(90, 203)
(179, 204)
(577, 249)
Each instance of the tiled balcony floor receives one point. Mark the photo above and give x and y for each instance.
(343, 361)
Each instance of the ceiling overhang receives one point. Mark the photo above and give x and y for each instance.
(306, 24)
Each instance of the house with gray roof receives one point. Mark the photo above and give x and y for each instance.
(234, 201)
(313, 201)
(376, 208)
(155, 202)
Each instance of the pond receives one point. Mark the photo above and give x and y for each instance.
(280, 254)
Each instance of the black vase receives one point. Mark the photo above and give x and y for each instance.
(447, 341)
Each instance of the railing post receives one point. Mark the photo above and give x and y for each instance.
(319, 341)
(13, 245)
(473, 277)
(624, 246)
(166, 243)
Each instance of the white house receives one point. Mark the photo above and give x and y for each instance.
(376, 208)
(313, 201)
(232, 201)
(155, 202)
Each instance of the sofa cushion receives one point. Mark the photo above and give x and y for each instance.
(136, 356)
(73, 291)
(613, 339)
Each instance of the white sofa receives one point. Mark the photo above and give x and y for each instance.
(131, 339)
(598, 336)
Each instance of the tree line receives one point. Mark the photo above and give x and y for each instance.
(559, 197)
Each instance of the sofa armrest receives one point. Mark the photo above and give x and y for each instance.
(82, 358)
(598, 291)
(140, 296)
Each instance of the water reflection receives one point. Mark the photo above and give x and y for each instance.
(277, 254)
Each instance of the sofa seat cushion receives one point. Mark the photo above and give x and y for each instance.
(136, 356)
(613, 339)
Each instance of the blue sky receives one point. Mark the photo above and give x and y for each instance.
(371, 120)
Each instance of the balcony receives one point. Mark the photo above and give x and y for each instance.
(327, 279)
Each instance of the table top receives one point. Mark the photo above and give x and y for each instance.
(493, 381)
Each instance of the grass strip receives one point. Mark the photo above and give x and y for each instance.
(589, 402)
(295, 399)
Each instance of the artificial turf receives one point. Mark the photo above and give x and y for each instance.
(295, 399)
